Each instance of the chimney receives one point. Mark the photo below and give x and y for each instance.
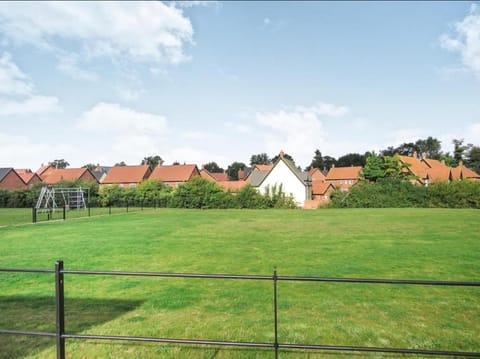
(241, 174)
(282, 153)
(333, 165)
(414, 154)
(424, 156)
(443, 162)
(460, 164)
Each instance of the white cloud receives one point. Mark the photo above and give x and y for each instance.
(192, 3)
(18, 92)
(113, 118)
(405, 135)
(30, 106)
(474, 131)
(298, 131)
(126, 134)
(12, 80)
(192, 155)
(465, 40)
(242, 128)
(140, 31)
(129, 94)
(69, 65)
(21, 152)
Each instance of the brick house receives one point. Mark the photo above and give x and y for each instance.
(69, 174)
(126, 176)
(174, 175)
(343, 177)
(28, 176)
(10, 180)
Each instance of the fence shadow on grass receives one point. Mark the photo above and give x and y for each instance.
(38, 314)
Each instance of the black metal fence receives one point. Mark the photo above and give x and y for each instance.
(64, 213)
(60, 335)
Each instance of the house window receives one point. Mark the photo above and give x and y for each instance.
(131, 185)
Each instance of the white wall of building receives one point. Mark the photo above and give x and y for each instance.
(291, 184)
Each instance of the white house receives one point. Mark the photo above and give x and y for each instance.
(293, 181)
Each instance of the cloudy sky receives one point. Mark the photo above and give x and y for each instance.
(195, 82)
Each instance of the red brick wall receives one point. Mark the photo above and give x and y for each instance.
(12, 181)
(87, 176)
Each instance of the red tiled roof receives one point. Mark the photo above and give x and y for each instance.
(434, 163)
(222, 176)
(66, 174)
(338, 173)
(416, 167)
(463, 172)
(205, 174)
(27, 175)
(175, 173)
(320, 187)
(126, 174)
(233, 185)
(316, 174)
(42, 169)
(263, 167)
(438, 173)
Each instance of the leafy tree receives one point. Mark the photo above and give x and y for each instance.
(249, 197)
(152, 161)
(473, 158)
(317, 161)
(120, 164)
(431, 147)
(151, 190)
(459, 149)
(374, 168)
(378, 167)
(61, 164)
(111, 195)
(285, 155)
(90, 166)
(232, 170)
(329, 162)
(405, 149)
(260, 159)
(212, 167)
(449, 160)
(351, 159)
(198, 193)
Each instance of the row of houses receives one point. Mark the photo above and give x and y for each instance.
(309, 189)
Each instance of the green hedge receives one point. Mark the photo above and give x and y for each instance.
(390, 192)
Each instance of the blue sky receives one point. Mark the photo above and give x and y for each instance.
(219, 81)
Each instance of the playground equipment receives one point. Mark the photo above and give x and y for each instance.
(51, 198)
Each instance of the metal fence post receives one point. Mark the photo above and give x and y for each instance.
(64, 212)
(34, 215)
(88, 206)
(59, 310)
(110, 209)
(127, 206)
(275, 310)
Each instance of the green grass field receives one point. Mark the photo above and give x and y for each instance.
(16, 216)
(375, 243)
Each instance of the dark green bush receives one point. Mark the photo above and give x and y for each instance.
(394, 192)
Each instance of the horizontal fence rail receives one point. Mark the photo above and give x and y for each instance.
(61, 336)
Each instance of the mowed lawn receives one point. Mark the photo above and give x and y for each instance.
(432, 244)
